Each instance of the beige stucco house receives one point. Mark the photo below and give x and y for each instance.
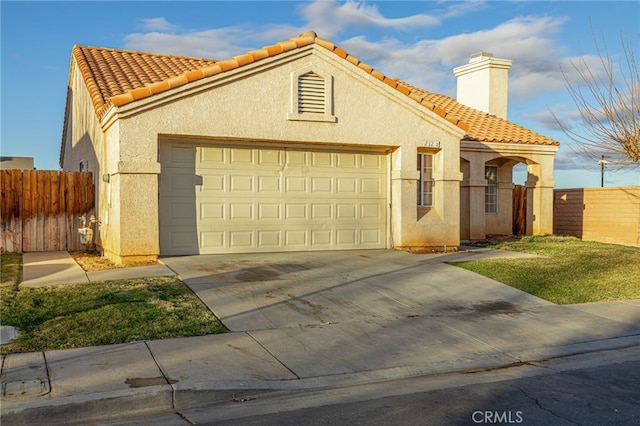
(295, 146)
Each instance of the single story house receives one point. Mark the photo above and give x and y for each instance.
(295, 146)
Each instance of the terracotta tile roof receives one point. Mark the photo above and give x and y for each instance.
(118, 77)
(111, 73)
(482, 126)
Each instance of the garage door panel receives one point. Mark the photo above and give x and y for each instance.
(212, 211)
(178, 182)
(371, 211)
(212, 157)
(215, 241)
(242, 157)
(270, 157)
(322, 159)
(269, 239)
(214, 182)
(295, 184)
(346, 160)
(296, 238)
(346, 211)
(322, 184)
(178, 156)
(178, 213)
(346, 185)
(240, 211)
(180, 242)
(241, 240)
(241, 183)
(345, 237)
(258, 200)
(322, 237)
(321, 211)
(269, 185)
(296, 158)
(372, 162)
(269, 211)
(295, 211)
(370, 236)
(371, 186)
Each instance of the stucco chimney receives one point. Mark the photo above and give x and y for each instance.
(483, 83)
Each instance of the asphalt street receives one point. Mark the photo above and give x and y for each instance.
(591, 389)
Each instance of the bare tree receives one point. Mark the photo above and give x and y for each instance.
(607, 97)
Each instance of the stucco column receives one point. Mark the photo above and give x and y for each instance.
(539, 201)
(134, 212)
(404, 178)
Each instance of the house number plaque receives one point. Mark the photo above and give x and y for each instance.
(432, 144)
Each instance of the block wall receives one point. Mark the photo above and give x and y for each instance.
(607, 215)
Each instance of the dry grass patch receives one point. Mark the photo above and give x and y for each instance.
(92, 261)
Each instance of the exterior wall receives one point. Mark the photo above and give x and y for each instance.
(607, 215)
(84, 142)
(252, 104)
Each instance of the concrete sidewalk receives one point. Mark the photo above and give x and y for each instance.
(312, 321)
(43, 269)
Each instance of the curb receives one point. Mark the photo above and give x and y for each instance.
(162, 399)
(89, 408)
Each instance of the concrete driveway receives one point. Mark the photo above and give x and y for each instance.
(384, 311)
(282, 290)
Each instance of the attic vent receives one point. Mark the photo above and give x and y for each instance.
(311, 94)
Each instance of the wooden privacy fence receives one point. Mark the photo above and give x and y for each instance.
(519, 210)
(41, 209)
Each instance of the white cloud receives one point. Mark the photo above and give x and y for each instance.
(460, 8)
(413, 63)
(329, 18)
(156, 24)
(429, 63)
(570, 158)
(545, 118)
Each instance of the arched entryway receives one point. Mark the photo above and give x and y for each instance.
(487, 205)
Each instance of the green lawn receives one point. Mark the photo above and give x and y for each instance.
(571, 271)
(101, 313)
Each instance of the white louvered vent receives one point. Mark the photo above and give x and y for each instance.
(311, 94)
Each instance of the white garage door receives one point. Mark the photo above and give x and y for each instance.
(221, 199)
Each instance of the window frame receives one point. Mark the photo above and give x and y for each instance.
(491, 190)
(422, 168)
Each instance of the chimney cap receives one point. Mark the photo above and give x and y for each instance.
(480, 56)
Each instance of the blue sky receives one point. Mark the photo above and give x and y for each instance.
(417, 41)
